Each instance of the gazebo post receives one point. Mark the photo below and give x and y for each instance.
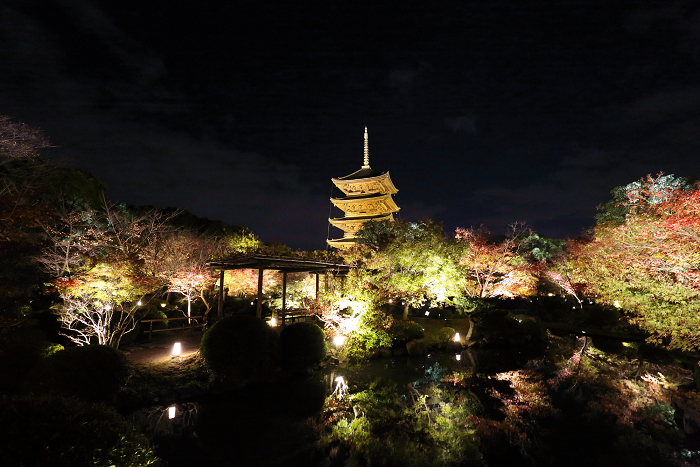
(220, 308)
(284, 292)
(317, 274)
(258, 311)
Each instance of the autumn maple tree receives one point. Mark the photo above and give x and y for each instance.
(97, 260)
(650, 264)
(495, 268)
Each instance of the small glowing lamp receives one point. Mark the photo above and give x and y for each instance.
(427, 313)
(171, 412)
(177, 349)
(108, 307)
(338, 340)
(139, 303)
(456, 337)
(458, 357)
(273, 322)
(162, 305)
(251, 303)
(550, 294)
(390, 300)
(616, 304)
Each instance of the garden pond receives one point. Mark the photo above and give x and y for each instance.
(573, 401)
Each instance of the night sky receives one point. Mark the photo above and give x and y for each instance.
(483, 112)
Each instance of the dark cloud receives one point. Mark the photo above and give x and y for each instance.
(483, 112)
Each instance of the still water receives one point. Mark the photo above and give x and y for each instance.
(269, 424)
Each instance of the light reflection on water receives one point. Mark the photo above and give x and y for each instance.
(204, 431)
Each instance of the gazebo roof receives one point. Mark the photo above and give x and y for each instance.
(278, 263)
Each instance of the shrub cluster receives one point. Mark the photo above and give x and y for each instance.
(403, 332)
(58, 431)
(92, 373)
(20, 351)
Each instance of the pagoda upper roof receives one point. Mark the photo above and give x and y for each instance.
(365, 182)
(364, 172)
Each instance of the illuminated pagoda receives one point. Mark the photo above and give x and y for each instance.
(368, 197)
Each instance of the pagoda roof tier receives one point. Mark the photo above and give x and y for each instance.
(366, 206)
(350, 225)
(365, 182)
(346, 242)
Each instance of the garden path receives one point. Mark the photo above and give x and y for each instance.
(160, 348)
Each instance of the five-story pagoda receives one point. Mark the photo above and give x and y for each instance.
(368, 197)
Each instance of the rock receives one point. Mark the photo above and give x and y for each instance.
(453, 346)
(398, 351)
(417, 347)
(691, 415)
(385, 352)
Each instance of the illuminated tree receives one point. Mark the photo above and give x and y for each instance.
(350, 311)
(97, 259)
(495, 269)
(650, 264)
(408, 262)
(102, 304)
(192, 283)
(241, 282)
(637, 196)
(179, 258)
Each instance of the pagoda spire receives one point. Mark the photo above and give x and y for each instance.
(366, 161)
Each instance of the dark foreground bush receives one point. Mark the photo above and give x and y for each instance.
(57, 432)
(302, 345)
(243, 348)
(92, 373)
(20, 351)
(601, 316)
(264, 420)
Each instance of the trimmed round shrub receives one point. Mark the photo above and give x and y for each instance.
(404, 332)
(156, 314)
(414, 331)
(446, 334)
(302, 345)
(92, 373)
(57, 431)
(240, 347)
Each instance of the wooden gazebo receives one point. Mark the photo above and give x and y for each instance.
(283, 264)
